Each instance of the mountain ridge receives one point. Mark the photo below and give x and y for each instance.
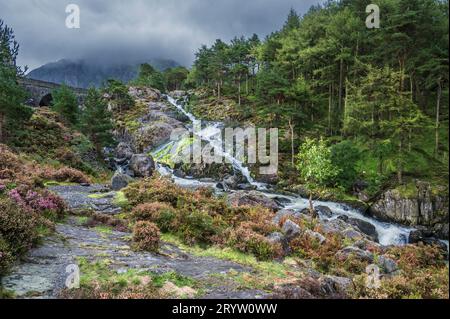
(84, 73)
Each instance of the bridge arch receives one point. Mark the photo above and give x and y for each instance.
(46, 100)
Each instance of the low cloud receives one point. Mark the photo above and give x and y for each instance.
(118, 30)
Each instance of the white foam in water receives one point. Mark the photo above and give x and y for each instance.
(388, 233)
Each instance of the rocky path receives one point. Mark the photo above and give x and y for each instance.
(42, 272)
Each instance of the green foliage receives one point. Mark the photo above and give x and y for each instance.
(149, 76)
(176, 77)
(345, 156)
(315, 164)
(65, 103)
(95, 121)
(12, 111)
(119, 94)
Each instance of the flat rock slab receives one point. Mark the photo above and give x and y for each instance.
(42, 273)
(96, 197)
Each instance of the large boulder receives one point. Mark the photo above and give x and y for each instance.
(144, 93)
(153, 135)
(142, 165)
(365, 227)
(415, 204)
(119, 181)
(251, 198)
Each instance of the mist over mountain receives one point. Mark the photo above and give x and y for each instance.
(84, 73)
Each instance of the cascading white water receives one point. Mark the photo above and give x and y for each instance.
(388, 233)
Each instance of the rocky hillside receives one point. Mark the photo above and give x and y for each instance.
(83, 73)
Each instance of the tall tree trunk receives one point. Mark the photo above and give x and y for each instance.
(400, 162)
(438, 124)
(239, 94)
(291, 127)
(330, 106)
(2, 121)
(341, 83)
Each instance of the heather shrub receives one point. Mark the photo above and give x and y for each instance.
(161, 214)
(17, 226)
(431, 283)
(6, 256)
(146, 236)
(42, 202)
(197, 226)
(64, 174)
(249, 241)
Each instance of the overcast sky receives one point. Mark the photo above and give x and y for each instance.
(121, 30)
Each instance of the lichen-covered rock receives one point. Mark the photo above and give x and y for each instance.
(415, 204)
(152, 135)
(142, 165)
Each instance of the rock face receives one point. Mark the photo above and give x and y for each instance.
(252, 198)
(421, 206)
(153, 135)
(142, 165)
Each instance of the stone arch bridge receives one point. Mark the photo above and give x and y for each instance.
(40, 92)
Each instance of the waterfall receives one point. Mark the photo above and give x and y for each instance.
(388, 233)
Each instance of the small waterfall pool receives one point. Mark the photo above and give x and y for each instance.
(388, 233)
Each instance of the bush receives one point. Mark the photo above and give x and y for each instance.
(159, 213)
(64, 174)
(197, 226)
(249, 241)
(6, 256)
(17, 226)
(146, 236)
(345, 156)
(41, 202)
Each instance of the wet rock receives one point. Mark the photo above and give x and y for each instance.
(291, 229)
(222, 186)
(246, 187)
(142, 165)
(119, 181)
(365, 227)
(346, 252)
(324, 210)
(251, 198)
(179, 173)
(388, 265)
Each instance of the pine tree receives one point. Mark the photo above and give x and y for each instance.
(12, 111)
(95, 121)
(65, 103)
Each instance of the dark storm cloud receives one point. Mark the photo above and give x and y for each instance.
(119, 30)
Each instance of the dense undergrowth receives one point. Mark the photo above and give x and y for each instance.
(202, 220)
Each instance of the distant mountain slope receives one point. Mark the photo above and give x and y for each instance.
(83, 73)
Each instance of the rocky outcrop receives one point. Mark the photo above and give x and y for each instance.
(251, 198)
(415, 204)
(119, 181)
